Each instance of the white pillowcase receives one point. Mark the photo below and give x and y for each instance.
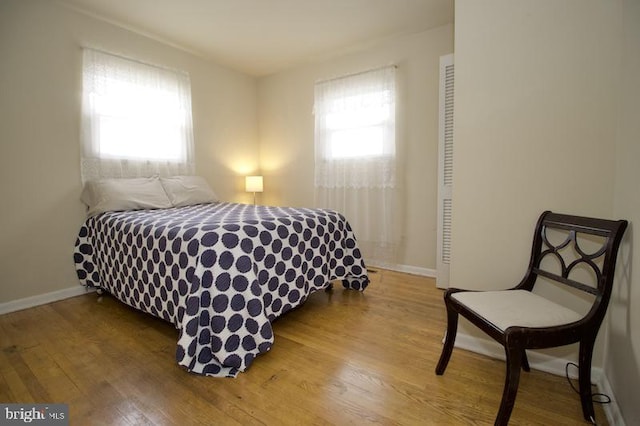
(188, 190)
(124, 194)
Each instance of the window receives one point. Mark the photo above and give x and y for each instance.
(355, 167)
(356, 125)
(355, 116)
(136, 118)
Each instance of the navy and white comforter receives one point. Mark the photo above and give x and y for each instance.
(219, 272)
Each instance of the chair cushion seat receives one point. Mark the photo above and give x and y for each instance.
(506, 308)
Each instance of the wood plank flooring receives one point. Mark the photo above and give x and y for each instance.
(344, 357)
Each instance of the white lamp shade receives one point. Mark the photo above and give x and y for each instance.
(253, 184)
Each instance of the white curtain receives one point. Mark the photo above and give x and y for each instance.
(355, 157)
(136, 119)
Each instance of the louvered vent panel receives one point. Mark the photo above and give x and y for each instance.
(448, 126)
(446, 231)
(445, 169)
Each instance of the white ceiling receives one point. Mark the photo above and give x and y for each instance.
(260, 37)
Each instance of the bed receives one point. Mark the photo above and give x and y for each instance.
(220, 272)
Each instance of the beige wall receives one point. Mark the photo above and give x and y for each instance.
(622, 362)
(40, 83)
(547, 118)
(535, 115)
(286, 127)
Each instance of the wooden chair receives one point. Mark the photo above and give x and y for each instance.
(520, 319)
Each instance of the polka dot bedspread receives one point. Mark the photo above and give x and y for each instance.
(220, 272)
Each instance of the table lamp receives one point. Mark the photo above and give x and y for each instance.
(253, 184)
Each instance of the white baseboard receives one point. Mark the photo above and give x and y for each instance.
(42, 299)
(414, 270)
(611, 410)
(547, 364)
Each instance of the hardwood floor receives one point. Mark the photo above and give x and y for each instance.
(343, 358)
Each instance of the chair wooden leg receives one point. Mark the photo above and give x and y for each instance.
(447, 348)
(514, 364)
(525, 361)
(584, 374)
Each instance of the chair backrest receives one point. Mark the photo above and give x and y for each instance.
(584, 243)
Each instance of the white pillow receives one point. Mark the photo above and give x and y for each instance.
(188, 190)
(124, 194)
